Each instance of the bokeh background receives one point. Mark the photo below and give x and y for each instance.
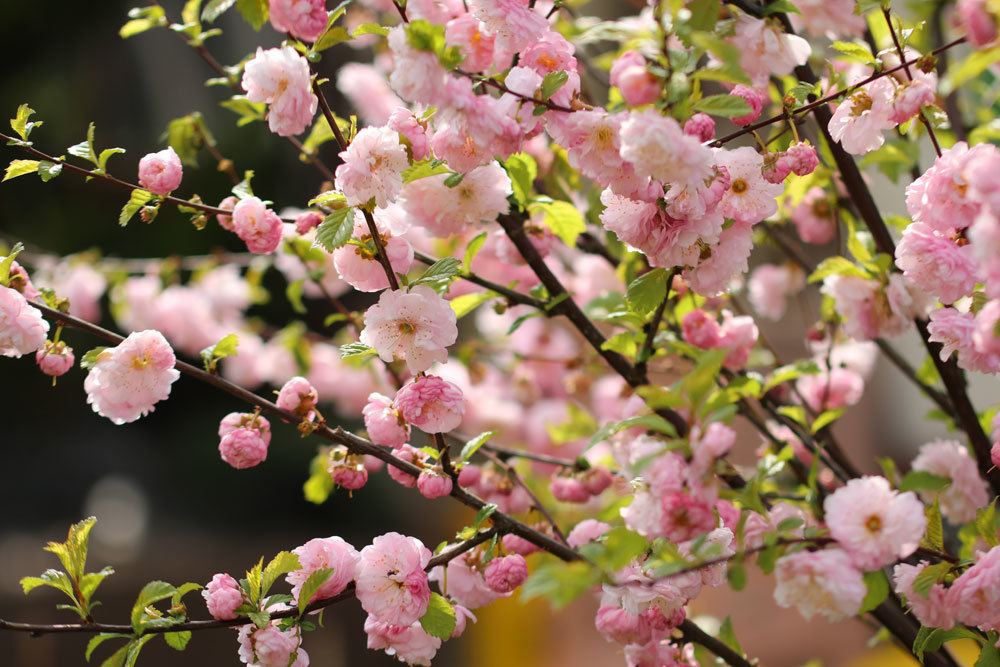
(168, 508)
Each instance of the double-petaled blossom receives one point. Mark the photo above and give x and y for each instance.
(630, 73)
(408, 643)
(937, 262)
(766, 49)
(750, 197)
(304, 19)
(280, 77)
(936, 608)
(431, 403)
(515, 23)
(975, 596)
(443, 211)
(22, 329)
(372, 168)
(161, 172)
(257, 225)
(942, 197)
(324, 552)
(55, 359)
(416, 326)
(391, 581)
(860, 119)
(244, 439)
(223, 597)
(967, 492)
(385, 425)
(358, 264)
(127, 381)
(770, 285)
(820, 582)
(503, 574)
(656, 146)
(271, 646)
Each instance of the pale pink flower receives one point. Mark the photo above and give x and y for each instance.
(444, 211)
(272, 647)
(984, 238)
(967, 492)
(588, 530)
(349, 471)
(859, 120)
(417, 76)
(307, 221)
(936, 262)
(409, 454)
(910, 98)
(838, 388)
(412, 130)
(432, 483)
(985, 340)
(766, 49)
(874, 524)
(383, 422)
(465, 581)
(476, 45)
(828, 18)
(372, 167)
(657, 147)
(685, 516)
(711, 443)
(568, 489)
(750, 197)
(432, 404)
(359, 266)
(770, 286)
(281, 78)
(416, 326)
(819, 582)
(754, 98)
(800, 159)
(324, 552)
(813, 217)
(368, 92)
(22, 329)
(662, 653)
(222, 597)
(728, 260)
(515, 24)
(299, 397)
(701, 329)
(591, 137)
(941, 196)
(257, 225)
(975, 595)
(979, 23)
(701, 126)
(304, 19)
(55, 359)
(161, 172)
(630, 73)
(738, 335)
(391, 582)
(227, 204)
(409, 643)
(505, 573)
(865, 308)
(128, 380)
(936, 609)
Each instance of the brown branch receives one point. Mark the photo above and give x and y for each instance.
(511, 295)
(887, 14)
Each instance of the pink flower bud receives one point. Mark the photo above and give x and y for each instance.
(160, 173)
(347, 471)
(383, 422)
(222, 597)
(307, 220)
(411, 455)
(504, 574)
(586, 531)
(909, 99)
(596, 480)
(299, 397)
(754, 98)
(226, 221)
(979, 24)
(802, 158)
(403, 121)
(519, 545)
(55, 359)
(469, 476)
(701, 329)
(304, 19)
(243, 448)
(776, 168)
(258, 226)
(433, 484)
(631, 75)
(432, 404)
(569, 489)
(700, 125)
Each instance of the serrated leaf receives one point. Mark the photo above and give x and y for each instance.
(930, 575)
(247, 111)
(725, 106)
(141, 20)
(472, 446)
(136, 201)
(648, 422)
(424, 169)
(254, 12)
(921, 480)
(97, 640)
(177, 640)
(225, 347)
(986, 524)
(563, 219)
(837, 266)
(356, 351)
(728, 636)
(552, 82)
(825, 419)
(283, 563)
(647, 292)
(560, 583)
(73, 552)
(522, 170)
(336, 229)
(877, 590)
(151, 593)
(471, 250)
(20, 168)
(20, 123)
(313, 582)
(49, 170)
(214, 9)
(439, 275)
(466, 303)
(484, 513)
(439, 619)
(854, 51)
(934, 535)
(90, 359)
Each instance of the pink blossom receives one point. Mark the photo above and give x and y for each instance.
(359, 266)
(410, 455)
(985, 340)
(875, 525)
(975, 596)
(588, 530)
(819, 582)
(161, 173)
(592, 138)
(391, 582)
(515, 24)
(813, 217)
(728, 260)
(412, 130)
(801, 158)
(372, 167)
(476, 45)
(701, 329)
(596, 480)
(984, 238)
(349, 471)
(22, 329)
(936, 263)
(865, 307)
(739, 335)
(711, 443)
(299, 397)
(657, 147)
(272, 647)
(307, 221)
(432, 404)
(940, 197)
(630, 73)
(910, 98)
(518, 545)
(223, 597)
(754, 98)
(244, 447)
(766, 49)
(226, 221)
(979, 23)
(409, 644)
(304, 19)
(368, 92)
(685, 516)
(968, 490)
(750, 198)
(444, 211)
(433, 484)
(828, 18)
(258, 226)
(859, 121)
(770, 286)
(568, 489)
(383, 422)
(55, 359)
(505, 573)
(936, 609)
(127, 381)
(701, 126)
(466, 584)
(838, 388)
(281, 78)
(417, 76)
(416, 326)
(324, 552)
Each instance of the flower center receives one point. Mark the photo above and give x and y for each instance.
(874, 523)
(740, 186)
(604, 137)
(138, 363)
(547, 61)
(821, 208)
(406, 328)
(860, 103)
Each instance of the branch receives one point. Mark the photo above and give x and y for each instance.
(691, 633)
(511, 295)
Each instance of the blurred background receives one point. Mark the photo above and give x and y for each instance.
(167, 506)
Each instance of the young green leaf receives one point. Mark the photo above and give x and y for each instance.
(136, 201)
(20, 168)
(439, 619)
(647, 291)
(312, 584)
(336, 229)
(225, 347)
(472, 446)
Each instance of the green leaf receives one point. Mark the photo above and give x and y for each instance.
(214, 9)
(969, 68)
(560, 583)
(20, 123)
(136, 201)
(293, 292)
(701, 379)
(790, 372)
(332, 37)
(356, 352)
(647, 292)
(736, 575)
(225, 347)
(142, 19)
(728, 637)
(725, 106)
(579, 424)
(151, 593)
(283, 563)
(989, 656)
(439, 275)
(186, 135)
(985, 524)
(247, 111)
(616, 549)
(8, 261)
(53, 579)
(552, 82)
(934, 535)
(471, 250)
(825, 419)
(931, 639)
(484, 513)
(921, 480)
(312, 584)
(177, 640)
(439, 619)
(930, 575)
(854, 51)
(254, 12)
(90, 359)
(877, 590)
(648, 422)
(20, 168)
(563, 219)
(836, 266)
(424, 169)
(466, 303)
(49, 170)
(371, 29)
(472, 446)
(133, 649)
(522, 170)
(73, 552)
(336, 229)
(97, 640)
(704, 14)
(318, 487)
